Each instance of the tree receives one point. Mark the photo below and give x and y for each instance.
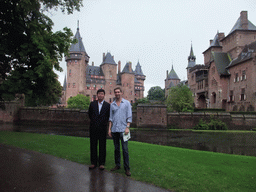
(180, 99)
(156, 93)
(30, 51)
(79, 102)
(143, 100)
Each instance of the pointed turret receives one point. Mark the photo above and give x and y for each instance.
(172, 75)
(191, 58)
(138, 70)
(79, 46)
(108, 59)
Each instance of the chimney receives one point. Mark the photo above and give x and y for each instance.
(119, 66)
(92, 63)
(166, 74)
(113, 57)
(130, 67)
(244, 19)
(221, 36)
(103, 57)
(211, 42)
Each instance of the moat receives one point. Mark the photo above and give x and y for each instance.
(243, 143)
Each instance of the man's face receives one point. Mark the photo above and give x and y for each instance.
(118, 93)
(100, 96)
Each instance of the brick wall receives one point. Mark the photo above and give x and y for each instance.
(146, 117)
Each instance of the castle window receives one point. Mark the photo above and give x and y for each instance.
(243, 75)
(231, 96)
(88, 86)
(110, 92)
(94, 97)
(75, 61)
(70, 72)
(110, 100)
(74, 85)
(243, 96)
(69, 85)
(110, 83)
(236, 78)
(101, 86)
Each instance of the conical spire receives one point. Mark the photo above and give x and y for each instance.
(79, 46)
(138, 70)
(108, 59)
(191, 58)
(173, 75)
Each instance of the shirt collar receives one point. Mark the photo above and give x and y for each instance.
(101, 102)
(121, 101)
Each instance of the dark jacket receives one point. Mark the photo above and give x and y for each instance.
(99, 120)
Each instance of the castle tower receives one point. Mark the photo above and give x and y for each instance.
(76, 68)
(127, 82)
(171, 80)
(109, 69)
(139, 82)
(191, 63)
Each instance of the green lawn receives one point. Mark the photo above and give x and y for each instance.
(172, 168)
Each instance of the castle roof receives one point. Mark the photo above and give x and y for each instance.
(126, 68)
(215, 42)
(246, 54)
(238, 26)
(94, 70)
(173, 75)
(221, 61)
(79, 46)
(108, 59)
(171, 85)
(138, 70)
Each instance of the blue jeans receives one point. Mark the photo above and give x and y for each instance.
(116, 138)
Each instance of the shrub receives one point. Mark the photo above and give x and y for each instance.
(202, 125)
(214, 124)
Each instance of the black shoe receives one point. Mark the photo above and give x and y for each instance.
(115, 168)
(128, 173)
(92, 167)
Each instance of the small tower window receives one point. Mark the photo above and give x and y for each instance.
(70, 72)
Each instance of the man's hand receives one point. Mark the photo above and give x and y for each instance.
(109, 133)
(126, 131)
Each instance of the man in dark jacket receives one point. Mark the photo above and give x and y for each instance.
(99, 116)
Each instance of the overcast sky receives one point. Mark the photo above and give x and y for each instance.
(157, 33)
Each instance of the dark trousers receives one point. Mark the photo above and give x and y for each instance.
(98, 135)
(116, 138)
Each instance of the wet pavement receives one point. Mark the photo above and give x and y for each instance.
(25, 170)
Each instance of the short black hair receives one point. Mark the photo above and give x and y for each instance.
(101, 90)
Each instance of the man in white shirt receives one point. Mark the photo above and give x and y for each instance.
(119, 124)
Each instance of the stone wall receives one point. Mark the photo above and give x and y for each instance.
(233, 121)
(151, 116)
(154, 116)
(9, 109)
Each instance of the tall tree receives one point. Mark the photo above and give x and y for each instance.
(30, 50)
(156, 93)
(180, 99)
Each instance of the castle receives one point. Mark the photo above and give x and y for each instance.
(86, 79)
(227, 78)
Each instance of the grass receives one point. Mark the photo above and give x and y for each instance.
(168, 167)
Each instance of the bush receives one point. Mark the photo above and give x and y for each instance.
(202, 125)
(79, 102)
(214, 124)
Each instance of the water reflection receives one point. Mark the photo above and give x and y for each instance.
(231, 143)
